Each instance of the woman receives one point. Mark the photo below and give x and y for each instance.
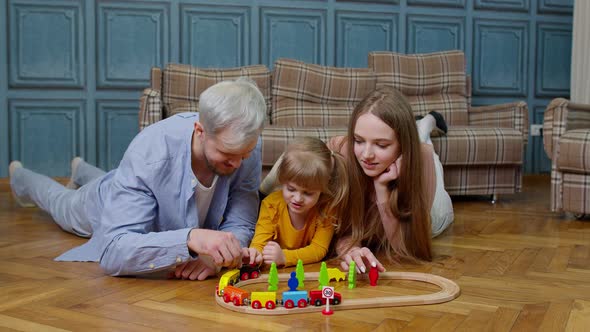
(396, 181)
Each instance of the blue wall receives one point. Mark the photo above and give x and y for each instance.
(71, 71)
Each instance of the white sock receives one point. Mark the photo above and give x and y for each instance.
(425, 127)
(74, 166)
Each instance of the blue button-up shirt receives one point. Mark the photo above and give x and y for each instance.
(141, 212)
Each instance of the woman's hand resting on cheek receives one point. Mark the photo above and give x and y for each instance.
(382, 181)
(391, 173)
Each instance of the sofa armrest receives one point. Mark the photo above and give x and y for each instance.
(510, 115)
(156, 78)
(560, 116)
(150, 108)
(150, 102)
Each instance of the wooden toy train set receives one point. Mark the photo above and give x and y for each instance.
(230, 295)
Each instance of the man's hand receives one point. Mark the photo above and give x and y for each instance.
(251, 256)
(272, 253)
(223, 247)
(198, 269)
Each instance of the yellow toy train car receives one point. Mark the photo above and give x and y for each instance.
(266, 299)
(228, 278)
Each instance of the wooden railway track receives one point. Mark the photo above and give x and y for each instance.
(449, 290)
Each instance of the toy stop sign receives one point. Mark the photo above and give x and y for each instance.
(328, 292)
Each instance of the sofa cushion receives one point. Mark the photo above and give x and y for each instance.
(183, 84)
(574, 151)
(479, 146)
(431, 82)
(312, 95)
(276, 138)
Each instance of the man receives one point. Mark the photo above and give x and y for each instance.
(184, 197)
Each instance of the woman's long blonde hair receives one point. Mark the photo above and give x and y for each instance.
(309, 163)
(361, 221)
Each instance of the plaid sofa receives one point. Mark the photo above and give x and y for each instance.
(482, 153)
(566, 139)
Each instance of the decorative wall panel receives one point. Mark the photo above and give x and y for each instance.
(517, 5)
(132, 38)
(47, 47)
(359, 33)
(46, 134)
(393, 2)
(293, 33)
(435, 33)
(449, 3)
(556, 6)
(554, 53)
(222, 31)
(501, 53)
(115, 119)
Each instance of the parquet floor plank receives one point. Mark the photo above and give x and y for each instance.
(421, 324)
(211, 314)
(476, 321)
(73, 320)
(560, 260)
(391, 325)
(15, 324)
(579, 318)
(523, 262)
(448, 322)
(143, 316)
(555, 319)
(504, 319)
(530, 317)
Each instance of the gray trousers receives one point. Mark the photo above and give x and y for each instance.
(66, 206)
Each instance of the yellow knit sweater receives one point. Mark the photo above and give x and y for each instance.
(309, 244)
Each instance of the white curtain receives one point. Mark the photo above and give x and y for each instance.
(580, 74)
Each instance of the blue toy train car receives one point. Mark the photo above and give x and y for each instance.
(295, 299)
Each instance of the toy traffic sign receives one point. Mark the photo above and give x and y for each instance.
(328, 294)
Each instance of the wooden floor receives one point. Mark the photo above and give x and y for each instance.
(519, 266)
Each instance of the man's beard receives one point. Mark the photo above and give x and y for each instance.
(215, 170)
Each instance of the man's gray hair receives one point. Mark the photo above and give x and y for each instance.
(238, 105)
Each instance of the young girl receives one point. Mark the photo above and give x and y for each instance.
(397, 197)
(297, 222)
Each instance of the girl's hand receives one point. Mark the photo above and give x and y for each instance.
(363, 259)
(251, 256)
(272, 252)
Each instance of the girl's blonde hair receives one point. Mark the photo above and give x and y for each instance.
(408, 203)
(309, 163)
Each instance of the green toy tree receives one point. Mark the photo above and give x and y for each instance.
(273, 278)
(324, 278)
(351, 275)
(300, 274)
